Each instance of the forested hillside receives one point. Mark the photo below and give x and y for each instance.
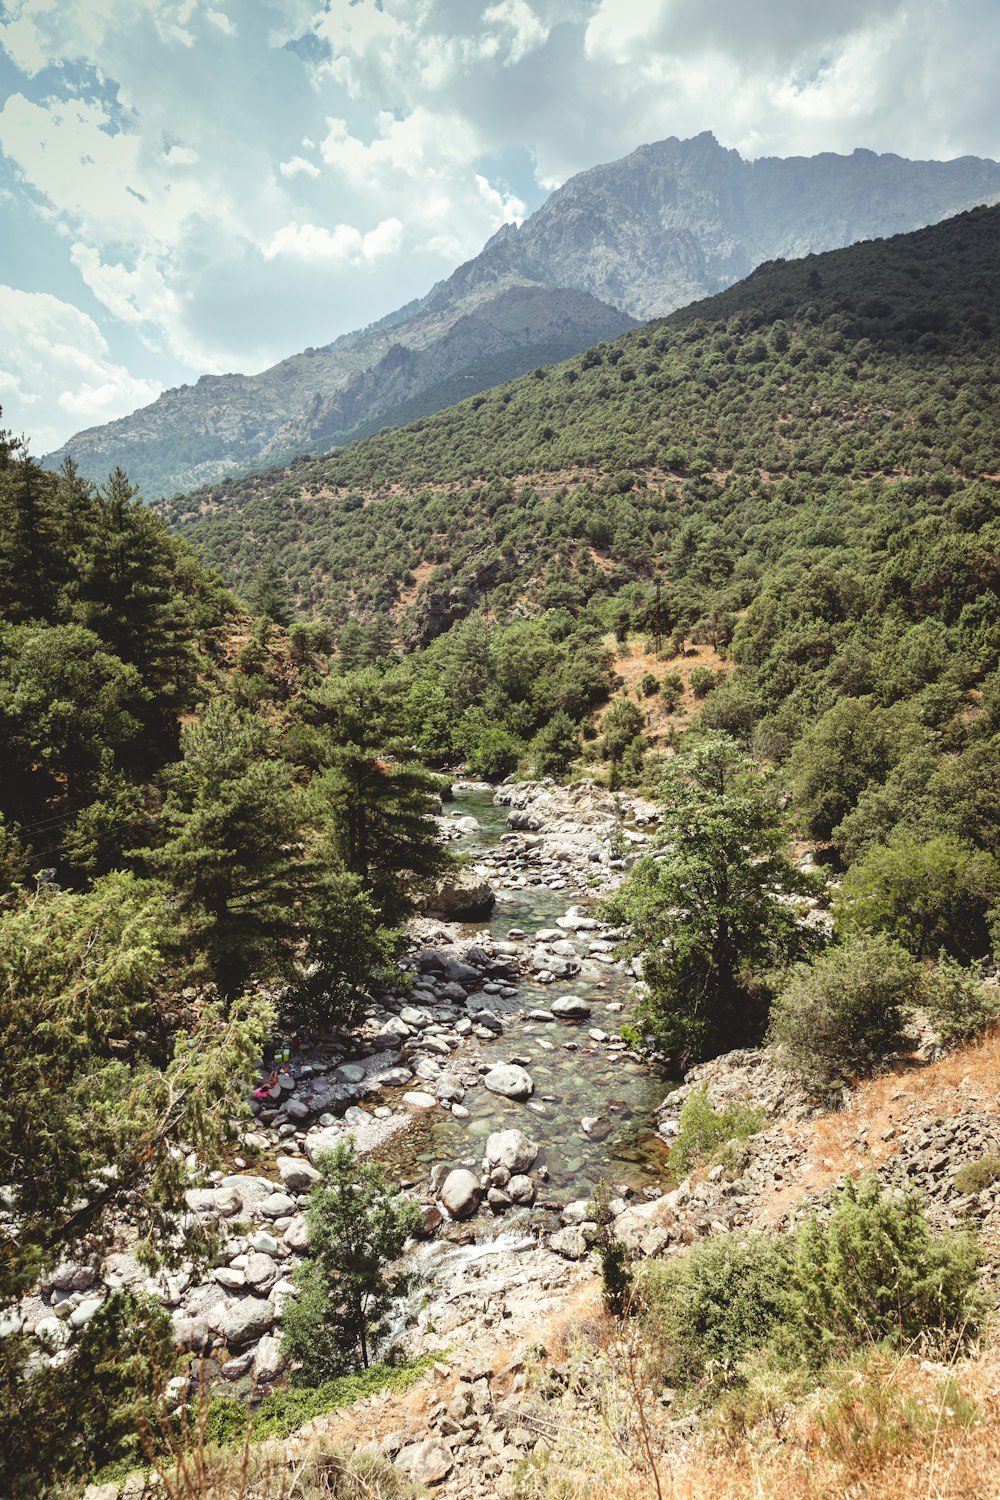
(807, 466)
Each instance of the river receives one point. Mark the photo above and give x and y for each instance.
(576, 1077)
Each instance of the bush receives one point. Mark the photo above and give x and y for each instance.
(617, 1286)
(842, 1017)
(357, 1228)
(285, 1410)
(931, 895)
(871, 1274)
(554, 746)
(977, 1175)
(672, 690)
(958, 1004)
(494, 754)
(702, 680)
(649, 686)
(875, 1273)
(716, 1304)
(703, 1130)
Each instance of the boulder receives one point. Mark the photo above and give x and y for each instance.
(569, 1243)
(462, 893)
(246, 1320)
(460, 1193)
(277, 1206)
(511, 1081)
(418, 1100)
(268, 1361)
(296, 1175)
(193, 1334)
(511, 1149)
(260, 1269)
(450, 1088)
(570, 1008)
(521, 1189)
(428, 1462)
(297, 1234)
(319, 1141)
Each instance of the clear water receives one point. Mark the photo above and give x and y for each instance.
(576, 1078)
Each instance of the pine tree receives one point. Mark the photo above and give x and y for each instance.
(357, 1228)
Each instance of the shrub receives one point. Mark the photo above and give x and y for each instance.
(284, 1410)
(842, 1017)
(931, 895)
(494, 754)
(871, 1274)
(959, 1005)
(554, 746)
(672, 689)
(714, 1305)
(703, 1130)
(702, 680)
(649, 685)
(875, 1273)
(617, 1284)
(977, 1175)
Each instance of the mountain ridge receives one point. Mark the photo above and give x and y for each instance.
(671, 223)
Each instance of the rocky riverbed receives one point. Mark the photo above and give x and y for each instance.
(496, 1088)
(493, 1081)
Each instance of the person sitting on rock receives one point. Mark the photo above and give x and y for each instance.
(271, 1088)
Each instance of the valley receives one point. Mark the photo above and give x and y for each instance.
(498, 921)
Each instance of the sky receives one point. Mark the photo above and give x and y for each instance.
(202, 186)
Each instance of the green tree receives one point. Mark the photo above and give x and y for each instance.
(940, 893)
(269, 594)
(59, 1421)
(232, 854)
(136, 588)
(357, 1228)
(99, 1094)
(345, 954)
(491, 751)
(70, 713)
(709, 911)
(376, 808)
(555, 746)
(855, 744)
(620, 726)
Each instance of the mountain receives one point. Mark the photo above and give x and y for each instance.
(411, 363)
(679, 220)
(637, 238)
(763, 415)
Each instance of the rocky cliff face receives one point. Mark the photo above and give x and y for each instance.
(673, 222)
(680, 220)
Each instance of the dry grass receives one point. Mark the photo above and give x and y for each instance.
(631, 664)
(881, 1429)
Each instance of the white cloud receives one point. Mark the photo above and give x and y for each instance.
(505, 206)
(221, 20)
(408, 117)
(56, 375)
(342, 245)
(526, 31)
(298, 166)
(181, 156)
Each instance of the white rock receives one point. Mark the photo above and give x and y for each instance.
(511, 1149)
(268, 1361)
